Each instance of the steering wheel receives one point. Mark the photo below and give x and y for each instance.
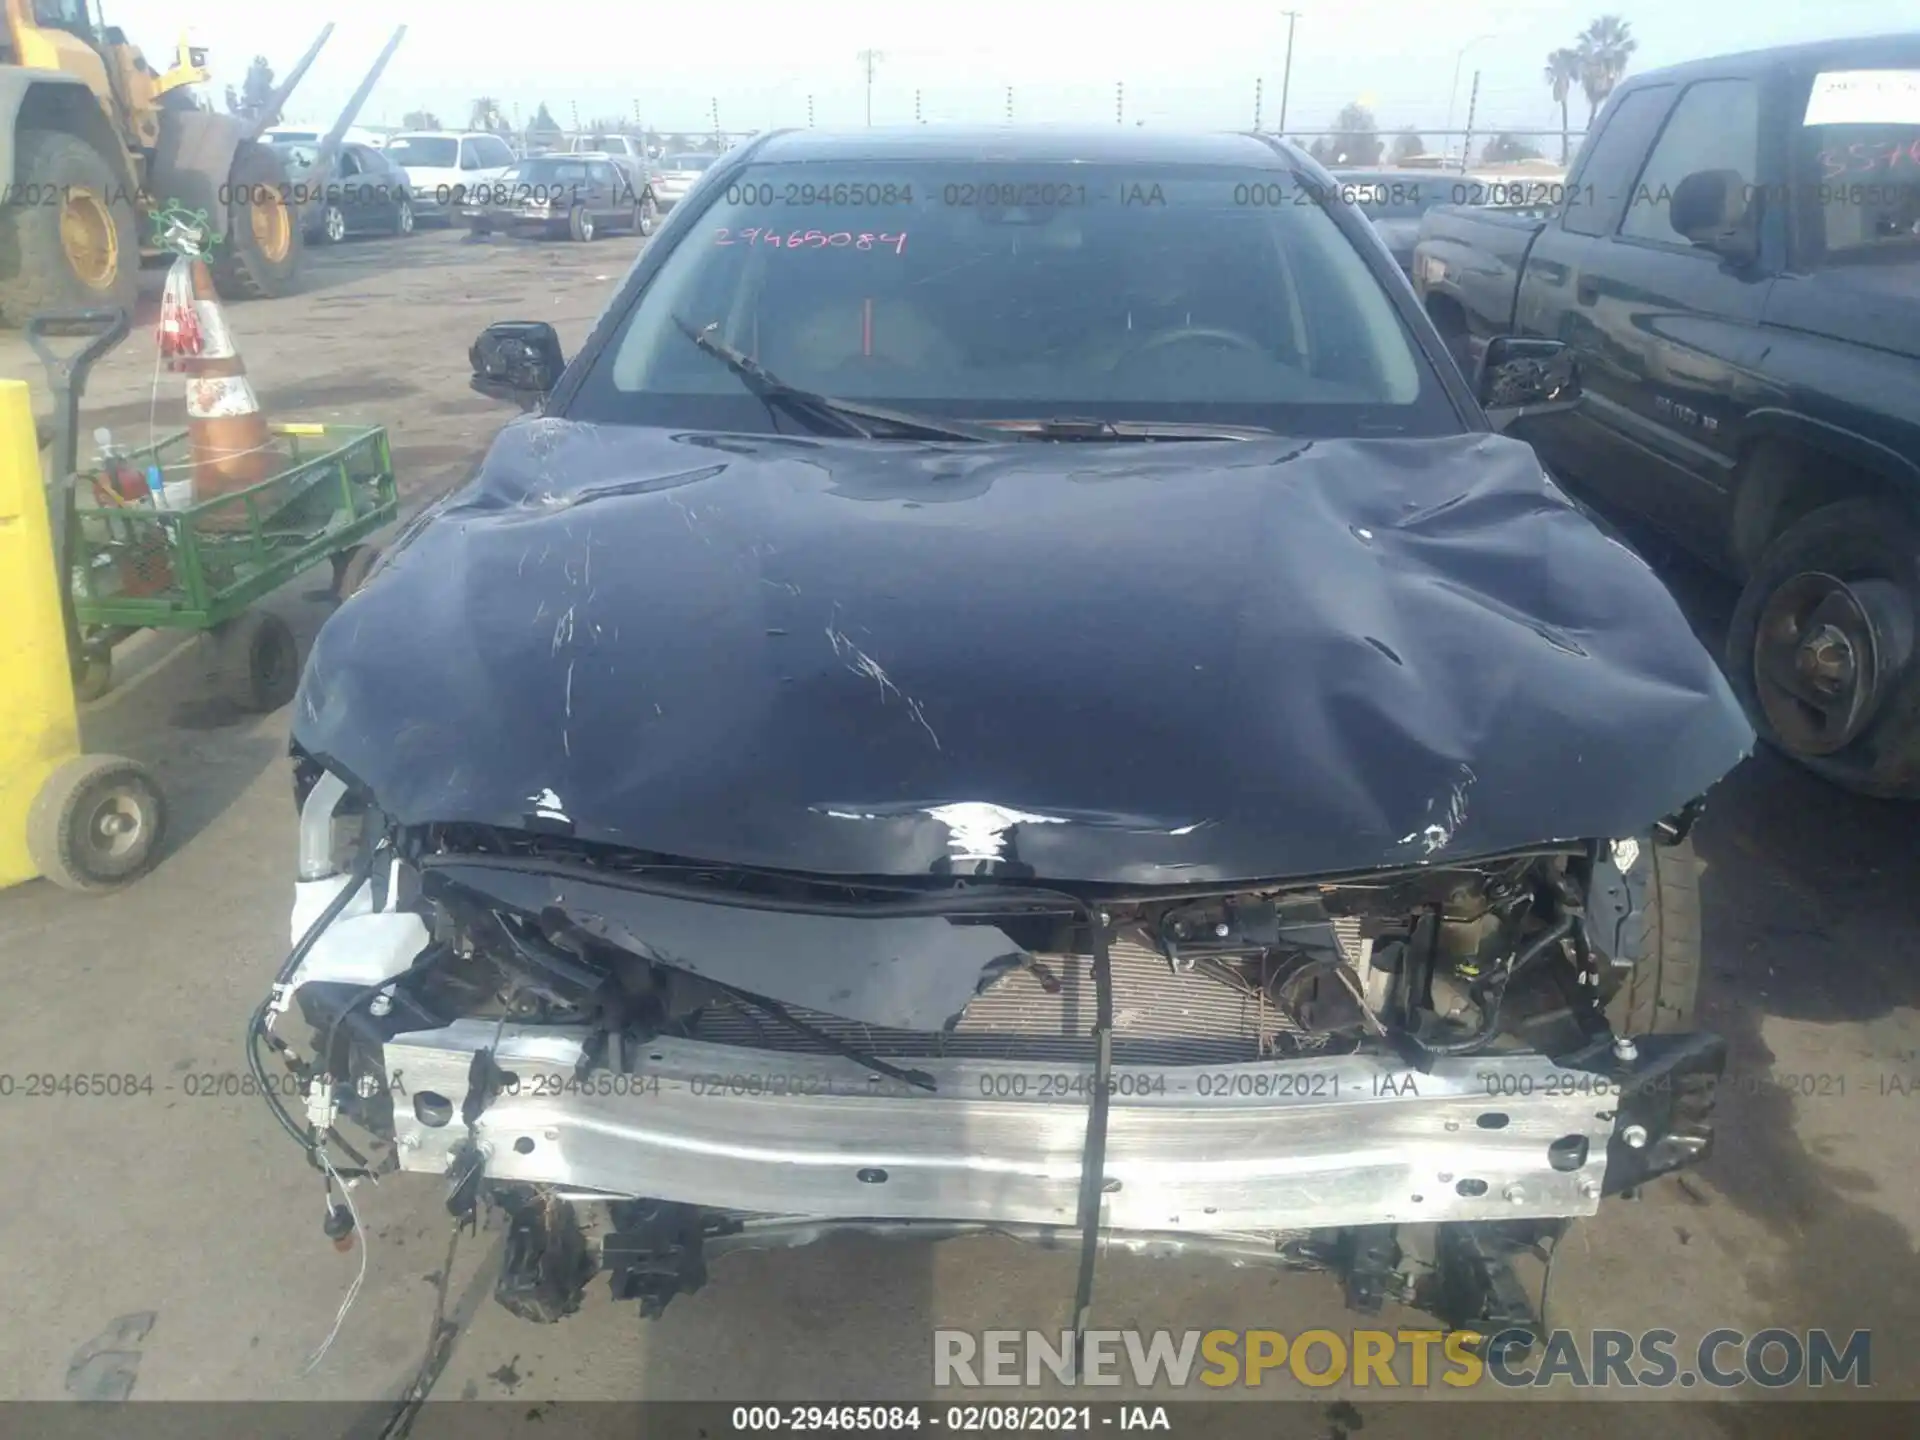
(1192, 335)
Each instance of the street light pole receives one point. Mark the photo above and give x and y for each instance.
(1286, 75)
(867, 58)
(1453, 90)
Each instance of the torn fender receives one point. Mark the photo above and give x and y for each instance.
(1168, 663)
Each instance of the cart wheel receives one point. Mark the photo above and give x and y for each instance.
(351, 568)
(256, 661)
(94, 679)
(97, 823)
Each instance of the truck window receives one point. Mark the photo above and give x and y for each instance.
(1857, 166)
(1613, 159)
(1716, 126)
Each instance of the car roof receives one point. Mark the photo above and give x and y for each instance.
(1036, 143)
(1861, 52)
(1366, 172)
(443, 135)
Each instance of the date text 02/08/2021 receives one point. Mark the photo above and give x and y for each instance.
(961, 1419)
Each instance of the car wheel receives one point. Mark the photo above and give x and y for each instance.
(580, 223)
(333, 225)
(1822, 646)
(96, 823)
(1660, 938)
(403, 219)
(647, 217)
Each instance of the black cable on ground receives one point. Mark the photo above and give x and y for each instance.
(439, 1351)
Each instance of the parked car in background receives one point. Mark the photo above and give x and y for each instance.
(575, 197)
(442, 164)
(678, 174)
(364, 191)
(1395, 200)
(644, 177)
(1736, 266)
(314, 134)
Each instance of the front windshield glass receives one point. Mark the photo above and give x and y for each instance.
(1195, 295)
(430, 151)
(689, 162)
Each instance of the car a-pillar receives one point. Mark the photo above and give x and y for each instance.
(1822, 646)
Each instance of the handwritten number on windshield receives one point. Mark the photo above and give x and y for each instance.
(811, 239)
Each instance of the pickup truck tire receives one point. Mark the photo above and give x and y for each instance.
(69, 239)
(1822, 647)
(1662, 939)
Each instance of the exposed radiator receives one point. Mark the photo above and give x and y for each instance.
(1160, 1017)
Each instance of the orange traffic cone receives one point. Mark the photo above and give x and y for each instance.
(224, 424)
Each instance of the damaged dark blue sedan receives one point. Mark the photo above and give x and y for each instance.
(1012, 685)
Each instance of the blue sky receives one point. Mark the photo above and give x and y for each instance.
(761, 59)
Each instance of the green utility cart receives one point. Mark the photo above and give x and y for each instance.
(138, 565)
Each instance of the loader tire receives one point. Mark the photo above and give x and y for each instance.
(259, 259)
(69, 238)
(1663, 941)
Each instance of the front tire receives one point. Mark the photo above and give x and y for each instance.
(1662, 938)
(259, 258)
(647, 219)
(69, 238)
(580, 224)
(333, 225)
(1822, 646)
(403, 219)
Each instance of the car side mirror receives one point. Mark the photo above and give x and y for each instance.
(1710, 209)
(1526, 377)
(518, 360)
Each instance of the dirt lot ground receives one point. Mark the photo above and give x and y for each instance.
(196, 1208)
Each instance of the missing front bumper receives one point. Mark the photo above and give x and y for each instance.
(1282, 1145)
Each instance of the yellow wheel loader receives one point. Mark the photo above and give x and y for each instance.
(93, 139)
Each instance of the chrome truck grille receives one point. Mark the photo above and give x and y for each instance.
(1160, 1017)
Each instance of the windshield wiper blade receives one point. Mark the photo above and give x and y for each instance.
(1076, 427)
(844, 416)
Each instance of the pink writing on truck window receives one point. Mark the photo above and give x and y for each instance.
(811, 239)
(1865, 155)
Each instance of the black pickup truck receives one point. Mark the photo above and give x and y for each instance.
(1735, 263)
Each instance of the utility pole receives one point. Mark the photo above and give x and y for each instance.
(1119, 102)
(918, 118)
(1466, 141)
(809, 112)
(715, 106)
(1009, 104)
(1256, 105)
(1286, 75)
(1453, 88)
(868, 58)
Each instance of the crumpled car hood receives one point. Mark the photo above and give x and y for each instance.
(1104, 663)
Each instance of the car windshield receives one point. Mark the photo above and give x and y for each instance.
(431, 151)
(1196, 295)
(689, 162)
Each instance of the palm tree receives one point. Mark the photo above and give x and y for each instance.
(1563, 73)
(1604, 48)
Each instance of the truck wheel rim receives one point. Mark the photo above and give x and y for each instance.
(267, 219)
(88, 239)
(1824, 652)
(116, 825)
